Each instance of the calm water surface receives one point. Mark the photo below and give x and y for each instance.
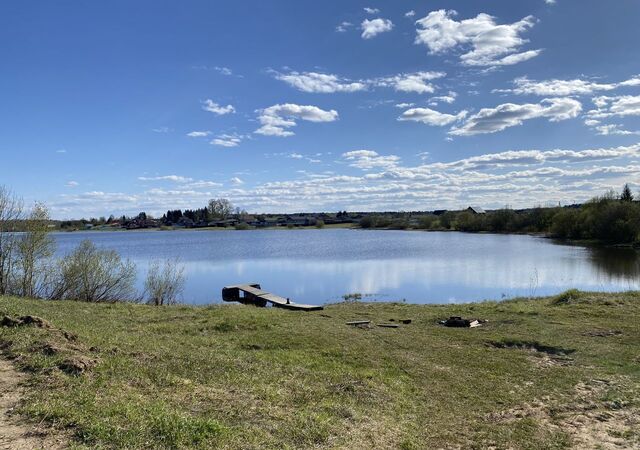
(319, 266)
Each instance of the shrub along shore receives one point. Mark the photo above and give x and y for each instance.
(558, 372)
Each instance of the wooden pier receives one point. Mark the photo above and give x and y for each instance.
(252, 294)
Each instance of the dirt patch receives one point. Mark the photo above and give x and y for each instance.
(532, 346)
(546, 361)
(15, 432)
(602, 333)
(8, 321)
(590, 422)
(77, 365)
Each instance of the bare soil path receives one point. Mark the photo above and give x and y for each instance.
(15, 432)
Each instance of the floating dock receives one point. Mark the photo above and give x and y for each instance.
(252, 294)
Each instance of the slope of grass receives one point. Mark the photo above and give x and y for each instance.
(243, 377)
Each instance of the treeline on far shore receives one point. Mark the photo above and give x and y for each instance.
(611, 218)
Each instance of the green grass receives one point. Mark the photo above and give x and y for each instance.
(244, 377)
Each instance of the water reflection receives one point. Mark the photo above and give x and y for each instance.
(616, 263)
(317, 266)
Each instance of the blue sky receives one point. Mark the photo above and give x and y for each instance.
(284, 106)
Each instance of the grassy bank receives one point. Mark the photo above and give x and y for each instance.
(543, 373)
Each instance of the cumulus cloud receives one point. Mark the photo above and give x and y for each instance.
(558, 88)
(72, 184)
(369, 159)
(449, 98)
(522, 178)
(488, 43)
(213, 107)
(199, 133)
(620, 106)
(314, 82)
(371, 10)
(492, 120)
(227, 140)
(613, 130)
(343, 27)
(320, 82)
(277, 119)
(223, 71)
(372, 28)
(538, 157)
(174, 178)
(410, 13)
(417, 82)
(430, 117)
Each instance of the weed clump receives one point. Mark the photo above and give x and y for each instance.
(570, 296)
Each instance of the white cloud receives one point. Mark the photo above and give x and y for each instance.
(368, 159)
(174, 178)
(614, 129)
(521, 178)
(550, 2)
(557, 88)
(491, 120)
(411, 82)
(199, 133)
(275, 120)
(343, 27)
(620, 106)
(410, 13)
(161, 130)
(227, 140)
(371, 10)
(211, 106)
(295, 156)
(431, 117)
(371, 28)
(320, 82)
(491, 44)
(72, 184)
(404, 105)
(223, 71)
(62, 150)
(236, 181)
(315, 82)
(449, 98)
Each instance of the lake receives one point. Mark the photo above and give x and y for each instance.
(320, 266)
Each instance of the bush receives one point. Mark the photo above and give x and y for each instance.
(93, 275)
(569, 296)
(242, 226)
(367, 222)
(426, 222)
(164, 283)
(319, 224)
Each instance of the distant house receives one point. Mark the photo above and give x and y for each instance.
(476, 210)
(439, 212)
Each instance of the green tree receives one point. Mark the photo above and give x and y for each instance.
(626, 195)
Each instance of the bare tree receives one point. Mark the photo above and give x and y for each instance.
(34, 249)
(91, 274)
(165, 282)
(10, 214)
(219, 208)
